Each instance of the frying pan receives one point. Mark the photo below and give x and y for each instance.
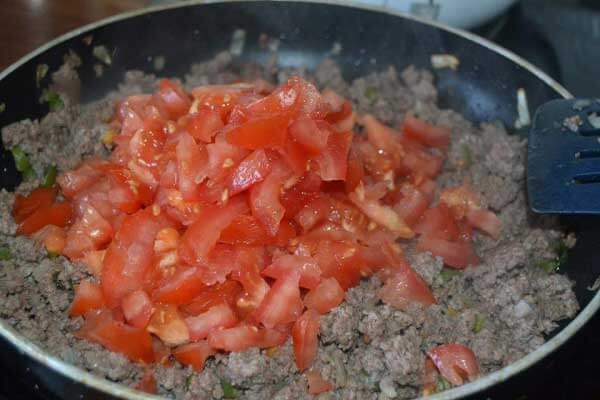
(483, 89)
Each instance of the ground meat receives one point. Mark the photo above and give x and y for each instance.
(368, 350)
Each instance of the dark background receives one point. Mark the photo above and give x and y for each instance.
(562, 37)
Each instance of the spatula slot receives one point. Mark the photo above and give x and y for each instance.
(588, 153)
(587, 178)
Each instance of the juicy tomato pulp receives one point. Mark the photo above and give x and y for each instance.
(235, 216)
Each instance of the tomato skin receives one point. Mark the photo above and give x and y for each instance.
(238, 338)
(282, 303)
(251, 170)
(425, 133)
(134, 343)
(458, 254)
(226, 292)
(260, 133)
(204, 124)
(455, 362)
(219, 316)
(324, 297)
(24, 206)
(200, 237)
(194, 354)
(304, 337)
(316, 383)
(310, 273)
(88, 297)
(137, 308)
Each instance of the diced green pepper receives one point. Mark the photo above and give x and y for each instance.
(467, 155)
(448, 273)
(5, 254)
(478, 324)
(229, 391)
(40, 73)
(22, 163)
(442, 385)
(54, 101)
(49, 177)
(371, 94)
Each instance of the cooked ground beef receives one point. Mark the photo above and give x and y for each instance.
(368, 350)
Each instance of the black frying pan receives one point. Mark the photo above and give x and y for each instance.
(483, 89)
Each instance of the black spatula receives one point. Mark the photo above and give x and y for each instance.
(563, 160)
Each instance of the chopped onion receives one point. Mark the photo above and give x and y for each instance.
(101, 53)
(524, 118)
(441, 61)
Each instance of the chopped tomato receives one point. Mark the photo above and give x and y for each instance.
(316, 383)
(310, 273)
(194, 354)
(340, 260)
(405, 286)
(134, 343)
(282, 303)
(58, 214)
(245, 229)
(73, 182)
(305, 131)
(88, 296)
(382, 137)
(180, 288)
(168, 324)
(219, 316)
(255, 288)
(355, 172)
(238, 338)
(460, 200)
(137, 308)
(455, 362)
(272, 337)
(200, 237)
(305, 337)
(53, 237)
(251, 170)
(204, 124)
(220, 293)
(128, 261)
(333, 160)
(458, 254)
(173, 97)
(300, 194)
(192, 160)
(90, 232)
(438, 222)
(264, 200)
(326, 296)
(93, 261)
(24, 206)
(412, 205)
(260, 132)
(485, 220)
(380, 214)
(425, 133)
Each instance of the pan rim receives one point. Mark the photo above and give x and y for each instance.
(25, 346)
